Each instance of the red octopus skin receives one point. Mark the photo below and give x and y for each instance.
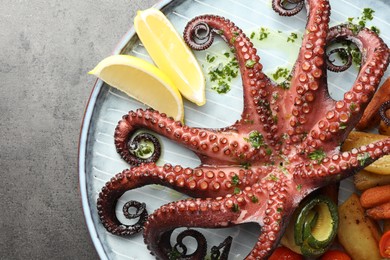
(302, 120)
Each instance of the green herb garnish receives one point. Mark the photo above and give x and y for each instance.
(273, 177)
(235, 207)
(292, 37)
(352, 107)
(246, 165)
(255, 139)
(254, 199)
(235, 180)
(223, 73)
(362, 158)
(318, 155)
(281, 73)
(263, 33)
(174, 254)
(250, 63)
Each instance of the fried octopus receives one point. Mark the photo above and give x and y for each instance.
(286, 144)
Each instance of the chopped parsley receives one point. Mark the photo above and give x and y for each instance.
(362, 158)
(250, 63)
(263, 33)
(223, 73)
(221, 88)
(356, 24)
(255, 139)
(246, 165)
(174, 254)
(210, 58)
(235, 180)
(318, 155)
(292, 37)
(353, 50)
(282, 76)
(236, 190)
(284, 170)
(235, 207)
(273, 177)
(375, 29)
(254, 199)
(299, 187)
(342, 126)
(352, 107)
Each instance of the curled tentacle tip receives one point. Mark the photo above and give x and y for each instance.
(198, 35)
(382, 112)
(346, 57)
(287, 7)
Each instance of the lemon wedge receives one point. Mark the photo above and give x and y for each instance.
(142, 81)
(170, 53)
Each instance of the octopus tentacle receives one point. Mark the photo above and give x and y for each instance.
(225, 146)
(341, 165)
(263, 204)
(199, 182)
(308, 84)
(280, 6)
(257, 86)
(340, 120)
(383, 112)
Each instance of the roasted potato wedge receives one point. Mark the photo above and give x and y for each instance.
(356, 139)
(364, 180)
(358, 234)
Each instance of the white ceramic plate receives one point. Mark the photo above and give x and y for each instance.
(98, 160)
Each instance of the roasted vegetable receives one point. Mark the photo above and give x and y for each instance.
(377, 200)
(356, 139)
(316, 226)
(384, 245)
(379, 212)
(375, 196)
(358, 234)
(282, 252)
(313, 227)
(370, 116)
(335, 255)
(364, 180)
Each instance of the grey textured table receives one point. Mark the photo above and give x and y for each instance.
(46, 50)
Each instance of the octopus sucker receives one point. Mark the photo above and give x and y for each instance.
(280, 150)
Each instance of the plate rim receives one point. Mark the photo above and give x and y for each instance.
(83, 140)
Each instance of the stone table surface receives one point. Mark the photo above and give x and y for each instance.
(47, 48)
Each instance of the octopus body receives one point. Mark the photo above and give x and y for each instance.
(286, 144)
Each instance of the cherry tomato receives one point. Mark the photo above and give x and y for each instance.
(335, 255)
(384, 245)
(283, 253)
